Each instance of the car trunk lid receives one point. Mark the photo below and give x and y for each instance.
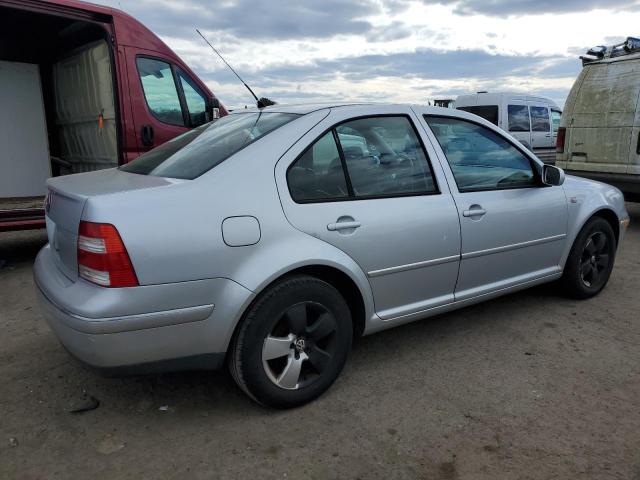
(65, 203)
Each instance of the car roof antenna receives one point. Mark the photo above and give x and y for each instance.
(259, 102)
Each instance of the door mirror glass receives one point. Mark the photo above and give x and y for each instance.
(552, 175)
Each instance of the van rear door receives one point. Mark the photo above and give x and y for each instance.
(600, 126)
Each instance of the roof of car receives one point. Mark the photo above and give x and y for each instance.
(301, 108)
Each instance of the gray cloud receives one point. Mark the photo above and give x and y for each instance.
(258, 19)
(503, 8)
(428, 64)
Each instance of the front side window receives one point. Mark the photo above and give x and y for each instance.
(556, 115)
(195, 100)
(193, 153)
(383, 157)
(318, 174)
(160, 90)
(540, 119)
(481, 159)
(518, 118)
(488, 112)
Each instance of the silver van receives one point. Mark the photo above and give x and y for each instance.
(600, 130)
(533, 120)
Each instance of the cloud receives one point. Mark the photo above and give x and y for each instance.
(256, 19)
(504, 8)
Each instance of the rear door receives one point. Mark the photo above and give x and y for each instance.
(513, 228)
(363, 181)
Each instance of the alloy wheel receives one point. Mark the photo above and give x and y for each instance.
(300, 346)
(595, 259)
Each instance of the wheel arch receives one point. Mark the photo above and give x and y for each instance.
(612, 219)
(358, 300)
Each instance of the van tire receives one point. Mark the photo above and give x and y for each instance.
(321, 355)
(590, 261)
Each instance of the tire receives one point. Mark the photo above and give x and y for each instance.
(590, 261)
(292, 343)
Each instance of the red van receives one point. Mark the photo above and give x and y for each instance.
(83, 87)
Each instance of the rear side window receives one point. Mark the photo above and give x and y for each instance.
(556, 116)
(370, 157)
(160, 90)
(540, 119)
(481, 159)
(488, 112)
(318, 174)
(384, 157)
(195, 100)
(518, 118)
(193, 153)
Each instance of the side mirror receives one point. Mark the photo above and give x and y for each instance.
(213, 109)
(551, 175)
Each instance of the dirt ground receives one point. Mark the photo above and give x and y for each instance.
(529, 386)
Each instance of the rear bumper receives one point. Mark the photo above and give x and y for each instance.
(179, 326)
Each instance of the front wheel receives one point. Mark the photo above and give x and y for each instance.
(590, 261)
(292, 343)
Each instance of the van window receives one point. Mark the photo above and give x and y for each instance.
(540, 119)
(199, 150)
(196, 102)
(556, 115)
(480, 159)
(518, 118)
(488, 112)
(160, 90)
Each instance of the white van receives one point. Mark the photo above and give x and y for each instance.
(600, 129)
(534, 121)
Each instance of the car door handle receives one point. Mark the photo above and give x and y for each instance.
(332, 227)
(476, 212)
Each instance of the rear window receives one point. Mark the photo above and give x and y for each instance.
(197, 151)
(488, 112)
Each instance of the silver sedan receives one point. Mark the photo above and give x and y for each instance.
(270, 238)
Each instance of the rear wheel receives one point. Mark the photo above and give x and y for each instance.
(292, 343)
(590, 261)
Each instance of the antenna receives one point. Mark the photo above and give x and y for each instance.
(259, 103)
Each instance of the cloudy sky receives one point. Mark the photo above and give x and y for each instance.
(386, 50)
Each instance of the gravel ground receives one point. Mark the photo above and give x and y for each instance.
(530, 386)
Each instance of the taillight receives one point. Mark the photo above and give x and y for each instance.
(562, 133)
(102, 257)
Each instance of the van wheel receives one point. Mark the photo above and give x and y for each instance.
(590, 261)
(293, 342)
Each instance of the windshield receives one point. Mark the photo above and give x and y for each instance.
(197, 151)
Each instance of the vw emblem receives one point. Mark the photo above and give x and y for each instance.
(300, 344)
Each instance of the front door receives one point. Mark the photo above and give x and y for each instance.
(513, 228)
(159, 113)
(366, 185)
